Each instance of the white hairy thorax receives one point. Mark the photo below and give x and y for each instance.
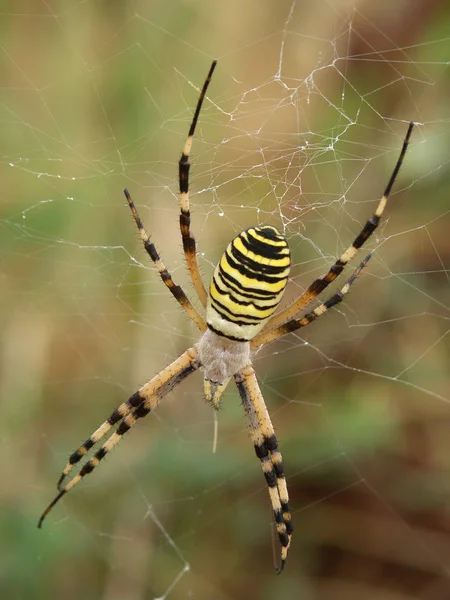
(221, 358)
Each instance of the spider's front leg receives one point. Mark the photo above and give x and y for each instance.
(266, 447)
(189, 244)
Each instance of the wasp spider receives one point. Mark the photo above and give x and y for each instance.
(246, 288)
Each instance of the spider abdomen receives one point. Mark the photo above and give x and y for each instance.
(248, 283)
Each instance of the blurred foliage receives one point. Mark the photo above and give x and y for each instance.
(98, 96)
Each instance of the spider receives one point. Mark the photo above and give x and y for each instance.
(245, 290)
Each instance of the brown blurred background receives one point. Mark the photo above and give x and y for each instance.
(302, 127)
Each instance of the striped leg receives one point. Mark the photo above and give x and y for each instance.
(320, 284)
(117, 415)
(295, 324)
(266, 447)
(185, 214)
(176, 290)
(143, 401)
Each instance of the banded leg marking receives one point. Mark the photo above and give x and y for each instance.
(143, 401)
(189, 245)
(295, 324)
(166, 277)
(266, 448)
(319, 285)
(117, 415)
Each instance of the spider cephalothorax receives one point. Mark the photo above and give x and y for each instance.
(245, 291)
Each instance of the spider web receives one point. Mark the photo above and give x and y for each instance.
(301, 129)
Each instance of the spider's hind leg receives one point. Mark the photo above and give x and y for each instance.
(266, 447)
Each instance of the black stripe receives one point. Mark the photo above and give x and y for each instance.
(225, 312)
(262, 249)
(201, 98)
(183, 173)
(242, 266)
(86, 469)
(289, 525)
(317, 286)
(271, 479)
(225, 335)
(185, 220)
(230, 282)
(369, 228)
(261, 450)
(271, 443)
(262, 305)
(251, 292)
(78, 454)
(335, 270)
(295, 324)
(101, 453)
(123, 428)
(141, 411)
(167, 387)
(253, 265)
(278, 516)
(189, 246)
(338, 297)
(135, 399)
(269, 233)
(177, 292)
(151, 250)
(116, 416)
(284, 538)
(387, 191)
(279, 469)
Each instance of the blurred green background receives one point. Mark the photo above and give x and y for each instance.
(302, 126)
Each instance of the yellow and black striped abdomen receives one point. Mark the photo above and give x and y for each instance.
(248, 283)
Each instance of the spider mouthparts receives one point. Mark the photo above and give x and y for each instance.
(213, 391)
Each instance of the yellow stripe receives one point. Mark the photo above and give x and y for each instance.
(234, 308)
(277, 286)
(285, 261)
(266, 302)
(265, 240)
(231, 309)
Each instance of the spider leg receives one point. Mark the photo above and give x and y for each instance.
(321, 283)
(117, 415)
(175, 290)
(295, 324)
(185, 214)
(266, 447)
(143, 401)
